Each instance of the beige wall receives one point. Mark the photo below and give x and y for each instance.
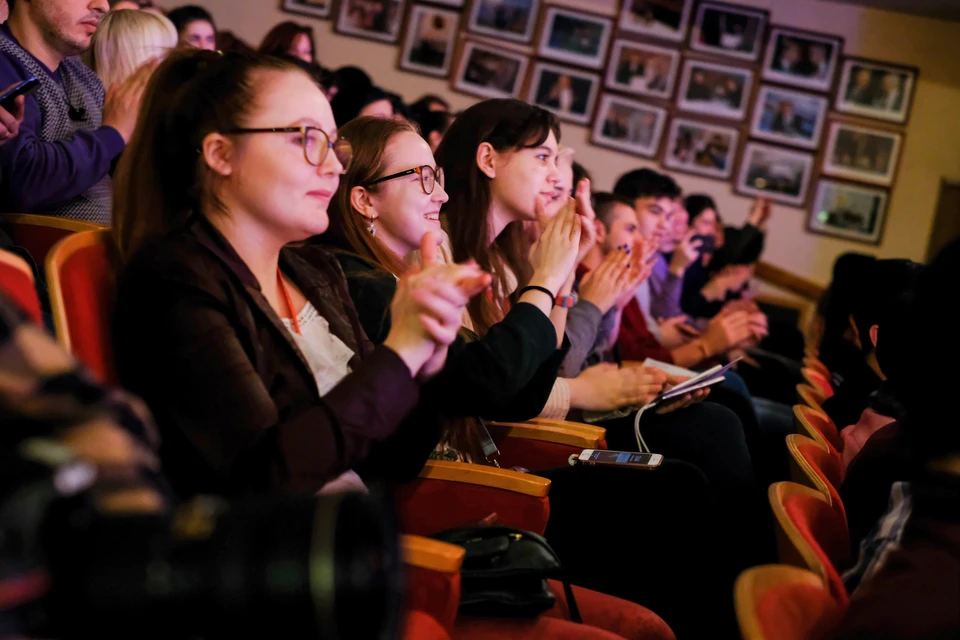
(931, 150)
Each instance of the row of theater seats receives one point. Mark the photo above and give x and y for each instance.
(77, 259)
(805, 597)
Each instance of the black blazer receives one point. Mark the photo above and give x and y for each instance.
(507, 375)
(236, 403)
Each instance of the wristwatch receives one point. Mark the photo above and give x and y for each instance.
(567, 302)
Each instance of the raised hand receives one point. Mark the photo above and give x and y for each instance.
(554, 255)
(726, 331)
(584, 208)
(122, 105)
(686, 253)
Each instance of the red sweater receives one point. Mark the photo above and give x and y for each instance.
(635, 341)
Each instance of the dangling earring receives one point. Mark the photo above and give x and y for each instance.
(371, 228)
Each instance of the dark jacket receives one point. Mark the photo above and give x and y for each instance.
(507, 375)
(236, 403)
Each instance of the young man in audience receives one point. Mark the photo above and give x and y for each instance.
(884, 284)
(71, 133)
(910, 586)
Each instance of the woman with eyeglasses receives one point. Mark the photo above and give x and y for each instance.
(389, 198)
(243, 342)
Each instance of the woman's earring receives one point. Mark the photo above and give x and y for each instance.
(371, 228)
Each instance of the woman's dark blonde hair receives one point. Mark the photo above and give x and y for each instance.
(162, 179)
(369, 138)
(507, 125)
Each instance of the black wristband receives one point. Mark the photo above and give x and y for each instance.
(533, 287)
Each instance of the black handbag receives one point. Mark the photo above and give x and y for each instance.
(505, 571)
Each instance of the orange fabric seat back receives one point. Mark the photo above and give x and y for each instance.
(780, 602)
(819, 426)
(17, 284)
(818, 381)
(813, 533)
(81, 280)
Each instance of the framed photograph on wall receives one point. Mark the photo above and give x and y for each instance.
(862, 153)
(628, 125)
(715, 89)
(701, 148)
(663, 19)
(802, 58)
(428, 41)
(313, 8)
(643, 69)
(729, 30)
(876, 90)
(489, 71)
(574, 37)
(449, 3)
(371, 19)
(513, 20)
(790, 117)
(783, 175)
(568, 93)
(851, 212)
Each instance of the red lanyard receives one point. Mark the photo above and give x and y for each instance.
(286, 294)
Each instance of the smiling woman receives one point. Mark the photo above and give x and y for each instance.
(243, 341)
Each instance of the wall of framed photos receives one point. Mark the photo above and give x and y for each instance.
(725, 109)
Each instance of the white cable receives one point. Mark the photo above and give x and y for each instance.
(636, 430)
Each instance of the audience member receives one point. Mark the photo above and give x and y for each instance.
(290, 39)
(835, 339)
(376, 221)
(432, 125)
(227, 42)
(909, 585)
(288, 392)
(125, 41)
(352, 101)
(195, 26)
(71, 132)
(430, 102)
(884, 284)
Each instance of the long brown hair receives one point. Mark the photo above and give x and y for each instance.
(282, 36)
(162, 179)
(506, 125)
(369, 138)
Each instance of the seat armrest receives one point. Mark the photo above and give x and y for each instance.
(432, 577)
(572, 434)
(487, 476)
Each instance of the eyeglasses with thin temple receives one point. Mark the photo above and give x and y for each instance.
(429, 177)
(315, 141)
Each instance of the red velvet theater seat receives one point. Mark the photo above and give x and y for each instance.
(17, 284)
(81, 282)
(38, 234)
(779, 602)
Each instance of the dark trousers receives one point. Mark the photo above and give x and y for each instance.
(656, 538)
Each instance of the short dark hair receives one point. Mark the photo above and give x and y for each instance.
(888, 286)
(183, 16)
(646, 183)
(697, 203)
(604, 203)
(423, 103)
(579, 173)
(430, 121)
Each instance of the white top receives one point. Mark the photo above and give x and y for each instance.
(327, 355)
(329, 360)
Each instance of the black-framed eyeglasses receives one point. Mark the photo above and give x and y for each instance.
(315, 141)
(429, 177)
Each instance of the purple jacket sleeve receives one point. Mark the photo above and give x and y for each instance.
(666, 290)
(38, 175)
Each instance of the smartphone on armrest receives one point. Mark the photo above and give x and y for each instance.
(22, 89)
(623, 459)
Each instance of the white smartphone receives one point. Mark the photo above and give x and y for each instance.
(602, 458)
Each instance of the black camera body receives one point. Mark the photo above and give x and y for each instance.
(275, 566)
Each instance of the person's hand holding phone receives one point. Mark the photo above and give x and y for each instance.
(685, 254)
(676, 332)
(606, 387)
(12, 118)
